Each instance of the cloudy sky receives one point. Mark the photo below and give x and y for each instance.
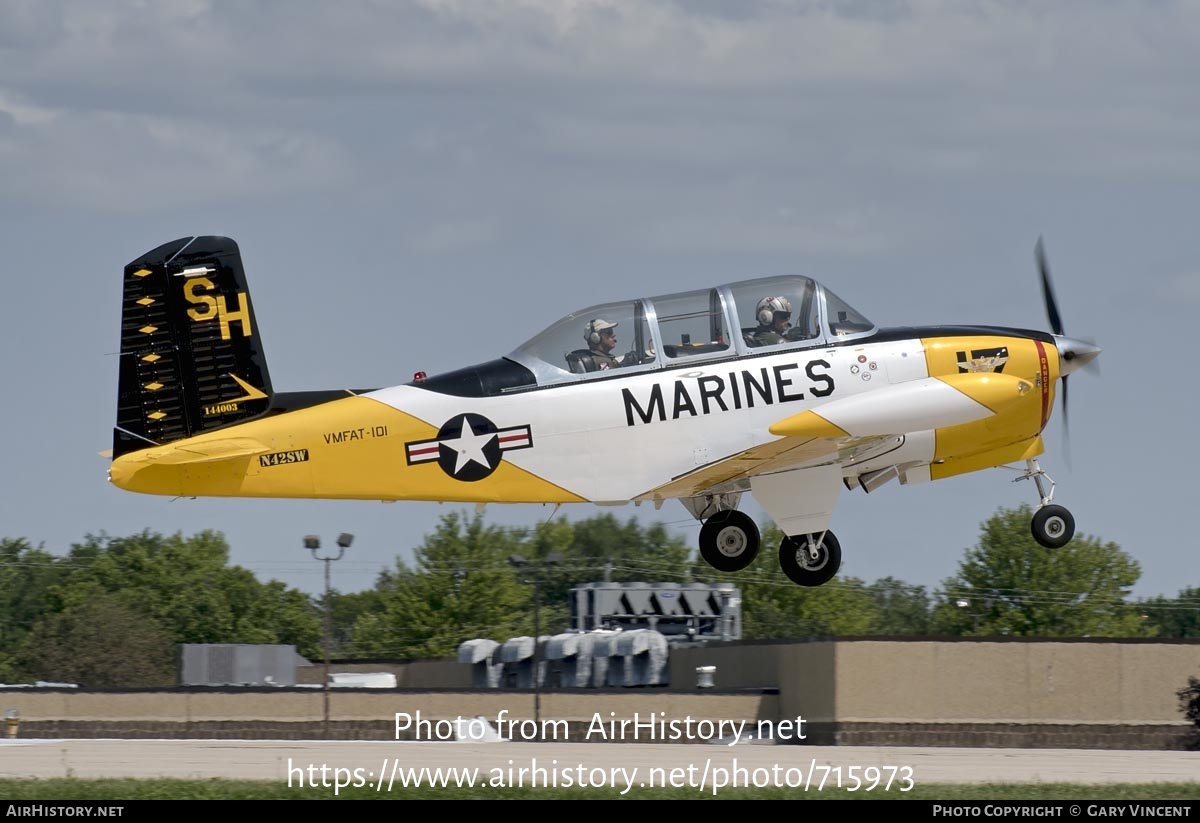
(423, 185)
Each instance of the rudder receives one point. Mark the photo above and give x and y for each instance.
(191, 356)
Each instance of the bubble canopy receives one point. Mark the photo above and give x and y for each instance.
(743, 318)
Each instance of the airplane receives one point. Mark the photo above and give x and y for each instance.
(773, 386)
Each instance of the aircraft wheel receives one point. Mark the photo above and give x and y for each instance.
(1052, 526)
(729, 541)
(804, 570)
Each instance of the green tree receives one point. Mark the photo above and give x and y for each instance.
(597, 549)
(461, 588)
(26, 577)
(557, 539)
(187, 586)
(273, 613)
(99, 643)
(606, 549)
(1189, 704)
(1008, 584)
(181, 586)
(1174, 617)
(347, 608)
(902, 609)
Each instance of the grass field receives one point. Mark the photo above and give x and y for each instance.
(66, 789)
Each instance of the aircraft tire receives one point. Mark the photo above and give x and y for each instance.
(1052, 526)
(729, 541)
(803, 571)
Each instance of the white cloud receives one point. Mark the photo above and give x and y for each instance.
(133, 163)
(908, 92)
(22, 113)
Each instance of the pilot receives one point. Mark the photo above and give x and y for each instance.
(601, 337)
(774, 320)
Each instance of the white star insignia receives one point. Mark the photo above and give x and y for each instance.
(469, 446)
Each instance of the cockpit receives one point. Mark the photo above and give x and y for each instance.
(749, 317)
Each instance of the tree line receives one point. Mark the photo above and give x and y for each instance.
(112, 610)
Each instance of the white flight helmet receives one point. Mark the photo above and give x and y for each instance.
(591, 332)
(769, 305)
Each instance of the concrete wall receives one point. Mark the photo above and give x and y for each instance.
(372, 714)
(1042, 682)
(410, 674)
(901, 680)
(1004, 692)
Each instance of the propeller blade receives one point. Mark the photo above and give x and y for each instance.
(1056, 325)
(1066, 425)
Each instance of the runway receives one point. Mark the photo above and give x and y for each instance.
(374, 762)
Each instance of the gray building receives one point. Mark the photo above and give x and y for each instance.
(238, 664)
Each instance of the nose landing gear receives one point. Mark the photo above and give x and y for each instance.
(1052, 525)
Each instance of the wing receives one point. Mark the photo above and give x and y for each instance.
(797, 477)
(732, 473)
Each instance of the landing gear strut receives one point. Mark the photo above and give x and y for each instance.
(1052, 526)
(810, 559)
(729, 541)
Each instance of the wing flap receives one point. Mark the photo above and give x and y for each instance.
(778, 455)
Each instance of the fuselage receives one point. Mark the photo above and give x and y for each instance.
(621, 436)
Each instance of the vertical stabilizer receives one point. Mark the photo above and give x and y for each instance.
(191, 355)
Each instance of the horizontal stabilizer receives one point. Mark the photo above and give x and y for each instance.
(205, 451)
(930, 403)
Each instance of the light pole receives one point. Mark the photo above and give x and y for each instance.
(313, 543)
(966, 603)
(518, 562)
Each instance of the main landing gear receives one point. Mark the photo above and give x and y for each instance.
(1052, 525)
(810, 559)
(729, 542)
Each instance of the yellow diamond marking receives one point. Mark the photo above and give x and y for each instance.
(150, 358)
(145, 301)
(157, 415)
(154, 386)
(148, 329)
(141, 272)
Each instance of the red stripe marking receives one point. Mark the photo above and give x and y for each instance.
(1044, 364)
(423, 450)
